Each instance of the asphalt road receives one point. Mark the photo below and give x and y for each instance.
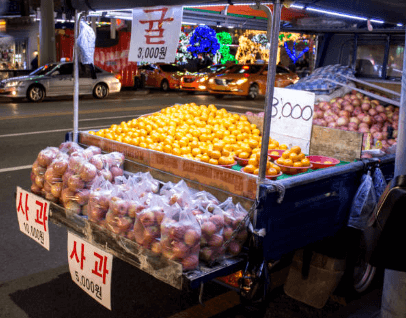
(35, 282)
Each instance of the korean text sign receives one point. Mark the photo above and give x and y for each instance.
(292, 117)
(90, 268)
(33, 214)
(155, 34)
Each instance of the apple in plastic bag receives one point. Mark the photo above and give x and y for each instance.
(88, 172)
(190, 262)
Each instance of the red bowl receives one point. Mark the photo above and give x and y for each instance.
(274, 157)
(293, 170)
(318, 162)
(242, 162)
(229, 166)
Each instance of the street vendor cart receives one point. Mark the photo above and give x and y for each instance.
(296, 222)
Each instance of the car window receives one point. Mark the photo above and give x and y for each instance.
(169, 68)
(281, 70)
(44, 69)
(64, 69)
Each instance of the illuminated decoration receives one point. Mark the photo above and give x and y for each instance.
(261, 39)
(292, 54)
(223, 53)
(182, 54)
(203, 41)
(250, 51)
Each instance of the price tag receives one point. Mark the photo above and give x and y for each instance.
(292, 117)
(33, 214)
(90, 268)
(155, 34)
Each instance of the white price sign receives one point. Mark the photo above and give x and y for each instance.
(292, 117)
(155, 34)
(33, 214)
(90, 268)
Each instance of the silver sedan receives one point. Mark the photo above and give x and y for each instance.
(56, 79)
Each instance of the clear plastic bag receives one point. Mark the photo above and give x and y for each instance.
(363, 204)
(379, 182)
(99, 198)
(205, 199)
(86, 42)
(211, 242)
(180, 237)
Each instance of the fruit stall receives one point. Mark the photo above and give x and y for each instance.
(193, 192)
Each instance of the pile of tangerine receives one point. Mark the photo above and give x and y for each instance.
(253, 166)
(202, 133)
(293, 158)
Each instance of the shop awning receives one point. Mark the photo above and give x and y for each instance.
(391, 11)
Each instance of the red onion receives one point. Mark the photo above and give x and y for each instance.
(344, 113)
(353, 126)
(378, 118)
(395, 117)
(336, 110)
(342, 121)
(389, 108)
(321, 104)
(335, 105)
(347, 96)
(329, 119)
(353, 96)
(380, 109)
(318, 114)
(384, 134)
(395, 133)
(328, 113)
(323, 122)
(357, 110)
(395, 125)
(340, 100)
(356, 102)
(367, 119)
(391, 141)
(363, 130)
(333, 100)
(355, 120)
(374, 101)
(384, 117)
(366, 106)
(325, 106)
(349, 108)
(363, 125)
(373, 112)
(344, 128)
(359, 95)
(377, 135)
(332, 125)
(361, 116)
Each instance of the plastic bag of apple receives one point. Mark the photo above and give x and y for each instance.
(66, 174)
(357, 112)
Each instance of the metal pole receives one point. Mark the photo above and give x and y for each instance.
(394, 286)
(76, 79)
(273, 51)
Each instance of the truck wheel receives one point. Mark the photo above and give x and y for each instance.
(100, 91)
(253, 91)
(36, 93)
(164, 86)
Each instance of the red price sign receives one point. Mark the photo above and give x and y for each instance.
(90, 268)
(33, 214)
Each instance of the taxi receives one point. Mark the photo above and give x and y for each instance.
(159, 75)
(248, 80)
(197, 82)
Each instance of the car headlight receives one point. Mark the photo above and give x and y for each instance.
(13, 83)
(241, 81)
(203, 79)
(211, 81)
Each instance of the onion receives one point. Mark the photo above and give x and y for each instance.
(325, 106)
(355, 120)
(357, 110)
(349, 108)
(344, 113)
(318, 114)
(395, 133)
(329, 119)
(389, 108)
(340, 100)
(391, 141)
(323, 122)
(335, 105)
(380, 109)
(347, 96)
(374, 101)
(395, 125)
(342, 121)
(359, 95)
(353, 126)
(363, 125)
(356, 102)
(336, 110)
(395, 117)
(384, 135)
(332, 125)
(384, 117)
(344, 128)
(378, 118)
(367, 119)
(321, 104)
(366, 106)
(361, 116)
(333, 100)
(373, 112)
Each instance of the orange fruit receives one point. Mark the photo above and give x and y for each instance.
(253, 161)
(301, 156)
(288, 162)
(196, 151)
(293, 156)
(243, 155)
(274, 153)
(213, 161)
(297, 164)
(223, 160)
(286, 154)
(280, 161)
(256, 171)
(271, 172)
(296, 150)
(305, 162)
(249, 168)
(283, 146)
(204, 158)
(215, 154)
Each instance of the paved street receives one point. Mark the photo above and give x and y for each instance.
(35, 282)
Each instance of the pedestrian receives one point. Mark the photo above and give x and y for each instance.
(34, 63)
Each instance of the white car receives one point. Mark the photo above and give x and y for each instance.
(56, 79)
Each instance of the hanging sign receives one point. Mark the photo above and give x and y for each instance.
(292, 117)
(32, 214)
(155, 34)
(90, 268)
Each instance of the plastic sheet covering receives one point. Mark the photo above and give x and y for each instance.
(86, 43)
(363, 204)
(379, 182)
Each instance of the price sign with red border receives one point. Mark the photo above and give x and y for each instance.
(33, 214)
(90, 268)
